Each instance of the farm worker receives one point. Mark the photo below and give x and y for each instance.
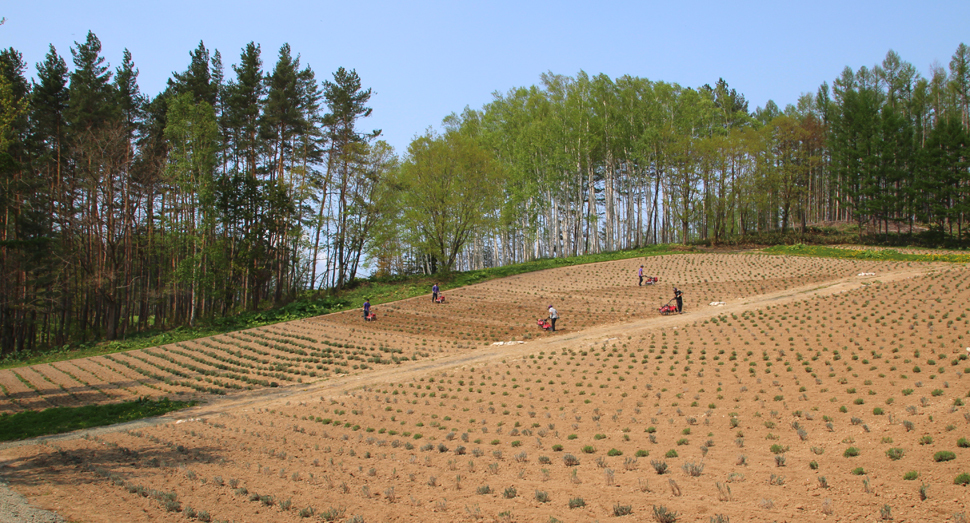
(640, 274)
(553, 316)
(366, 308)
(434, 292)
(679, 296)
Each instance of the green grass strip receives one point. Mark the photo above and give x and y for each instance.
(30, 424)
(865, 254)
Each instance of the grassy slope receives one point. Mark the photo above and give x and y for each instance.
(378, 290)
(865, 254)
(56, 420)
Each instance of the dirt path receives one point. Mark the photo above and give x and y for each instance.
(268, 398)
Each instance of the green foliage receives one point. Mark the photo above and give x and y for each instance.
(864, 254)
(895, 453)
(944, 455)
(451, 188)
(56, 420)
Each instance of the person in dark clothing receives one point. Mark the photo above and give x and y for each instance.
(366, 308)
(434, 293)
(640, 274)
(679, 296)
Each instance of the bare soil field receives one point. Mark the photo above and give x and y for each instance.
(791, 389)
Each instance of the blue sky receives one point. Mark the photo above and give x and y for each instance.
(425, 60)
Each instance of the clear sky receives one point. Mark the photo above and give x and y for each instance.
(425, 60)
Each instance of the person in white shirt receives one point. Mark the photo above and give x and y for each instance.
(553, 316)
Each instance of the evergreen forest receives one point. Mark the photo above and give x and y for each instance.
(245, 187)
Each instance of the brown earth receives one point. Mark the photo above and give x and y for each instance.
(804, 354)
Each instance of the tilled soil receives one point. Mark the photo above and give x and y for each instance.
(753, 406)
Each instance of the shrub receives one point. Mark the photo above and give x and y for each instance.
(859, 471)
(569, 460)
(622, 510)
(851, 452)
(671, 454)
(659, 466)
(926, 440)
(588, 449)
(877, 411)
(557, 448)
(963, 443)
(962, 479)
(614, 452)
(484, 489)
(693, 469)
(895, 453)
(332, 514)
(813, 465)
(778, 449)
(542, 496)
(944, 455)
(911, 475)
(509, 493)
(577, 503)
(662, 515)
(642, 453)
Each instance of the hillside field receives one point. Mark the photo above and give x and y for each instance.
(791, 389)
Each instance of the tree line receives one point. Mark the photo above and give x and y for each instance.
(122, 212)
(594, 164)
